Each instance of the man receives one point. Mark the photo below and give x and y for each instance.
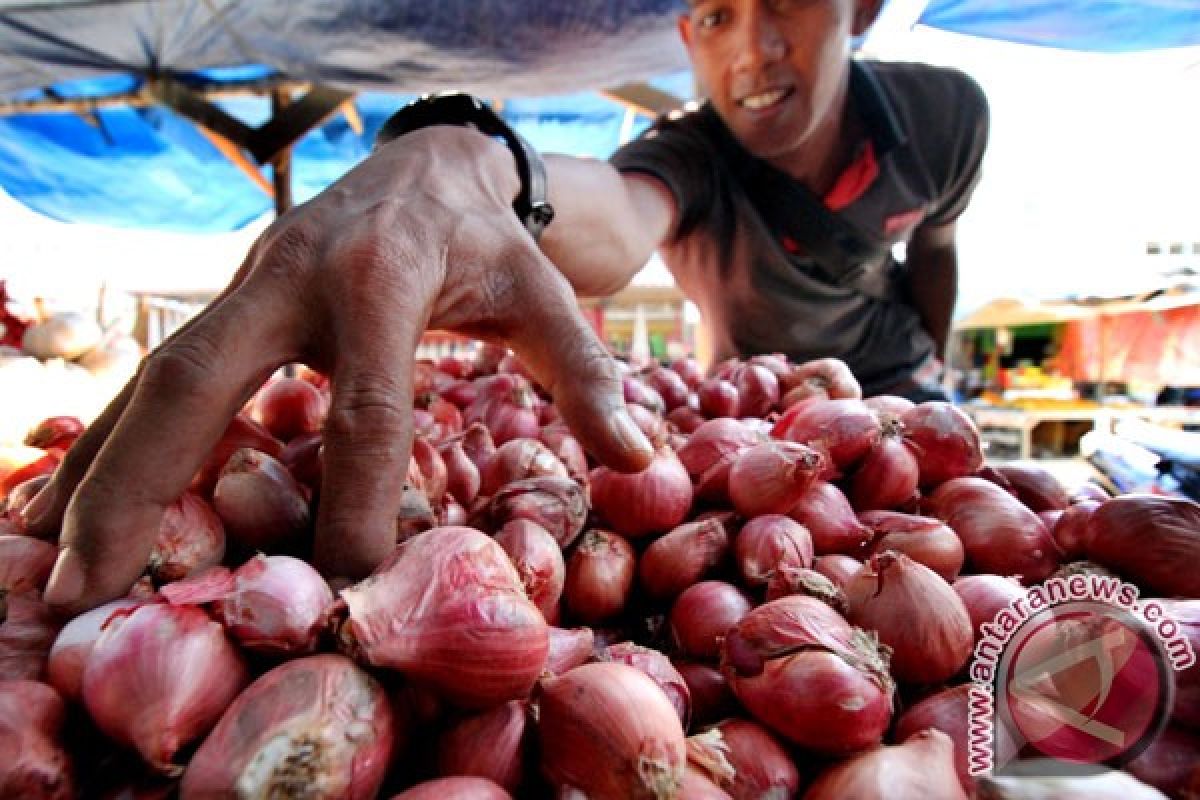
(883, 153)
(422, 235)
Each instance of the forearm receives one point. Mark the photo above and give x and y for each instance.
(933, 287)
(606, 224)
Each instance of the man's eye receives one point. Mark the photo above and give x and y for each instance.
(712, 19)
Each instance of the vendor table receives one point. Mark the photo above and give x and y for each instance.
(1013, 428)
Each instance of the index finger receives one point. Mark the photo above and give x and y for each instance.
(44, 516)
(568, 359)
(186, 393)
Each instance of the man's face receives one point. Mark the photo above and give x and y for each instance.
(773, 69)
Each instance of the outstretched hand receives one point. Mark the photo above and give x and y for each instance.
(420, 235)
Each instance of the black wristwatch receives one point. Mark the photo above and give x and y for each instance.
(455, 108)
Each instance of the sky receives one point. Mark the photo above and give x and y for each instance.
(1090, 158)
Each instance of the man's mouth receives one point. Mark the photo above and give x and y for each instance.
(762, 100)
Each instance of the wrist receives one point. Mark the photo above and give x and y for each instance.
(530, 203)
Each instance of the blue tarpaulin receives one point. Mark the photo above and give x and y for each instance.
(149, 167)
(1100, 26)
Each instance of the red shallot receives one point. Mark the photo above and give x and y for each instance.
(772, 477)
(887, 476)
(806, 673)
(839, 569)
(316, 726)
(69, 654)
(985, 596)
(262, 505)
(159, 677)
(539, 562)
(799, 580)
(823, 378)
(33, 763)
(569, 647)
(682, 557)
(1000, 535)
(826, 513)
(462, 476)
(744, 759)
(1070, 531)
(923, 766)
(1149, 539)
(448, 610)
(290, 407)
(1035, 486)
(599, 576)
(718, 398)
(457, 787)
(490, 744)
(923, 539)
(654, 500)
(712, 699)
(557, 504)
(54, 433)
(703, 613)
(768, 543)
(689, 369)
(916, 613)
(842, 430)
(608, 730)
(944, 440)
(670, 385)
(888, 404)
(190, 539)
(659, 669)
(278, 605)
(515, 460)
(757, 390)
(242, 432)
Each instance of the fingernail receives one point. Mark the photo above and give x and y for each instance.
(38, 507)
(628, 433)
(67, 580)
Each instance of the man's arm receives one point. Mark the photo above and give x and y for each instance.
(607, 224)
(932, 261)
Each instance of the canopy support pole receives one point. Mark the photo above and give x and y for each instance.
(281, 162)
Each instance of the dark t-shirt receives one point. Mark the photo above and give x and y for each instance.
(928, 130)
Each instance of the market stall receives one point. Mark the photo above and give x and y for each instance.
(1043, 374)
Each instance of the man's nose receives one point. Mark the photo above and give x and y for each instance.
(762, 41)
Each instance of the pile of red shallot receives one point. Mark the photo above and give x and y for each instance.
(785, 603)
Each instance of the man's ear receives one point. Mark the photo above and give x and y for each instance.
(865, 14)
(684, 23)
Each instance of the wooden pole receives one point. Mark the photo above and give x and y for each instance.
(281, 164)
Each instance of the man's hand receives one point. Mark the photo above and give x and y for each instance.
(420, 235)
